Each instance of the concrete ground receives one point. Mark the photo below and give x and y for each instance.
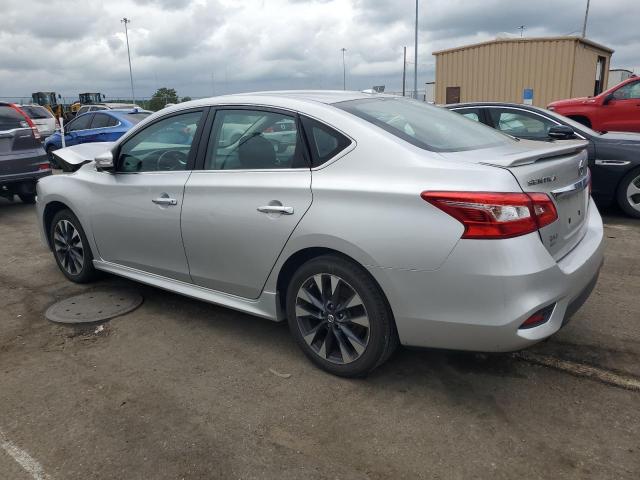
(180, 389)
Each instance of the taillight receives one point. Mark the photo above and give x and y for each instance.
(44, 166)
(589, 180)
(30, 124)
(490, 215)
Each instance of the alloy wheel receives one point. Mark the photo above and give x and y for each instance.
(332, 318)
(633, 193)
(68, 247)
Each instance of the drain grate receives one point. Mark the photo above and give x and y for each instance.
(94, 306)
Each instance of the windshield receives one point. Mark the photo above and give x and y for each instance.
(137, 117)
(424, 125)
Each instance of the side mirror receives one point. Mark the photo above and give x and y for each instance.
(608, 99)
(561, 132)
(104, 161)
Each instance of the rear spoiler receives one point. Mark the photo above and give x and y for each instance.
(72, 158)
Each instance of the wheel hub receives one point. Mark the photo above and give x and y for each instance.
(332, 318)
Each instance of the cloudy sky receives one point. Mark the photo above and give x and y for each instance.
(205, 47)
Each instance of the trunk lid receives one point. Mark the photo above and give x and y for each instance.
(557, 169)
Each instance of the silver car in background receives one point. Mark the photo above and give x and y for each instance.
(364, 220)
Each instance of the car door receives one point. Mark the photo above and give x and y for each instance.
(240, 208)
(100, 125)
(520, 123)
(136, 209)
(622, 112)
(76, 131)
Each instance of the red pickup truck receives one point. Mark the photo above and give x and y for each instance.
(617, 109)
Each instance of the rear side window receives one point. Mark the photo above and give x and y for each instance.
(79, 123)
(10, 119)
(100, 120)
(324, 142)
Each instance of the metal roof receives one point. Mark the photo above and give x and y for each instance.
(528, 40)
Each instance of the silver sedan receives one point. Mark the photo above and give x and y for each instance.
(364, 220)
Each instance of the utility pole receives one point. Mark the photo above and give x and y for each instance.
(415, 58)
(404, 71)
(521, 28)
(125, 20)
(344, 71)
(586, 16)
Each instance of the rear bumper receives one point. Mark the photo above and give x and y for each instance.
(486, 289)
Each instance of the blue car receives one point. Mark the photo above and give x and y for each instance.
(100, 126)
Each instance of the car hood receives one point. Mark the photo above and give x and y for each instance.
(72, 158)
(571, 101)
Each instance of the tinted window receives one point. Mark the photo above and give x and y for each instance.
(10, 119)
(424, 125)
(101, 120)
(162, 146)
(520, 123)
(79, 123)
(137, 117)
(324, 141)
(36, 113)
(470, 113)
(629, 91)
(250, 140)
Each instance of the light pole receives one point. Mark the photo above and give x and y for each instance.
(125, 20)
(415, 58)
(586, 16)
(344, 71)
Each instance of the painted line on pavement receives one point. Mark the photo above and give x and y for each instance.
(26, 461)
(609, 377)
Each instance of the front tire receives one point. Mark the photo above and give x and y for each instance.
(339, 316)
(71, 248)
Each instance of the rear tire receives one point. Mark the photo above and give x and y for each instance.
(628, 194)
(71, 248)
(29, 198)
(339, 316)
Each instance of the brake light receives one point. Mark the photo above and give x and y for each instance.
(491, 215)
(540, 317)
(44, 166)
(34, 129)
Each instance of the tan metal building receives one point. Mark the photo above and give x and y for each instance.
(501, 70)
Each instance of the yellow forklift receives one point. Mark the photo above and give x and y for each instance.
(49, 100)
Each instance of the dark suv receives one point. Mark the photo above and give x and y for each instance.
(22, 159)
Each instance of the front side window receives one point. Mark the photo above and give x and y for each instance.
(79, 123)
(165, 145)
(423, 125)
(630, 91)
(520, 123)
(254, 140)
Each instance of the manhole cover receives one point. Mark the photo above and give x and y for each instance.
(94, 306)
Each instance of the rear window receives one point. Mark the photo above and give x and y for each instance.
(36, 113)
(10, 119)
(137, 117)
(423, 125)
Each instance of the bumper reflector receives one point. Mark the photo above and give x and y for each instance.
(540, 317)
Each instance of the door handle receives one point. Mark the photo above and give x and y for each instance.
(165, 201)
(276, 209)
